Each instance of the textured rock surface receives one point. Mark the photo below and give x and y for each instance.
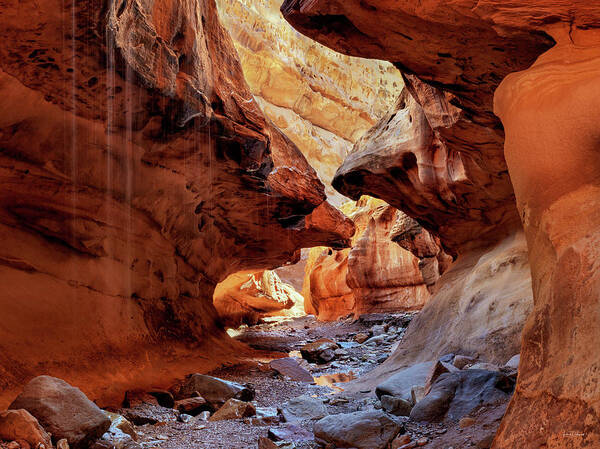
(549, 113)
(479, 309)
(554, 168)
(63, 411)
(390, 267)
(454, 169)
(215, 391)
(362, 430)
(20, 425)
(322, 100)
(233, 409)
(137, 173)
(246, 297)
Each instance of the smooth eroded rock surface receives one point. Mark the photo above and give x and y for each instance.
(63, 410)
(361, 430)
(548, 109)
(138, 172)
(391, 266)
(21, 425)
(322, 100)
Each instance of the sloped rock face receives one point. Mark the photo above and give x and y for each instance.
(549, 114)
(479, 308)
(246, 297)
(379, 273)
(322, 100)
(137, 173)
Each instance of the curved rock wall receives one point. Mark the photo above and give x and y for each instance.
(245, 297)
(322, 100)
(379, 273)
(549, 112)
(551, 116)
(137, 173)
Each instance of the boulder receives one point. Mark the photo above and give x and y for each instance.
(149, 414)
(290, 432)
(303, 408)
(290, 368)
(460, 361)
(455, 395)
(361, 430)
(120, 435)
(437, 370)
(401, 383)
(63, 410)
(514, 361)
(215, 391)
(265, 416)
(233, 409)
(320, 351)
(361, 337)
(417, 392)
(20, 425)
(396, 406)
(485, 366)
(192, 406)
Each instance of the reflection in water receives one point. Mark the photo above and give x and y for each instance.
(329, 380)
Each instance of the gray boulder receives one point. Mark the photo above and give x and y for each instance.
(455, 395)
(361, 430)
(63, 410)
(303, 408)
(401, 383)
(396, 406)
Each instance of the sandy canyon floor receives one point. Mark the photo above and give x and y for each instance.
(332, 379)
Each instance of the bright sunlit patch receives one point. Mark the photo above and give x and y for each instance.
(237, 332)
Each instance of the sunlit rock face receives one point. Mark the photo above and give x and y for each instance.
(137, 172)
(479, 308)
(322, 100)
(244, 298)
(379, 273)
(549, 112)
(456, 176)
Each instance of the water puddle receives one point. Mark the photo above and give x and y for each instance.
(330, 380)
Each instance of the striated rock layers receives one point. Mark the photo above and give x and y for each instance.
(322, 100)
(137, 172)
(549, 111)
(245, 297)
(390, 267)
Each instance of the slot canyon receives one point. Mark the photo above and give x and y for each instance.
(299, 224)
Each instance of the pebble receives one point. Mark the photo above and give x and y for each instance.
(466, 422)
(185, 418)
